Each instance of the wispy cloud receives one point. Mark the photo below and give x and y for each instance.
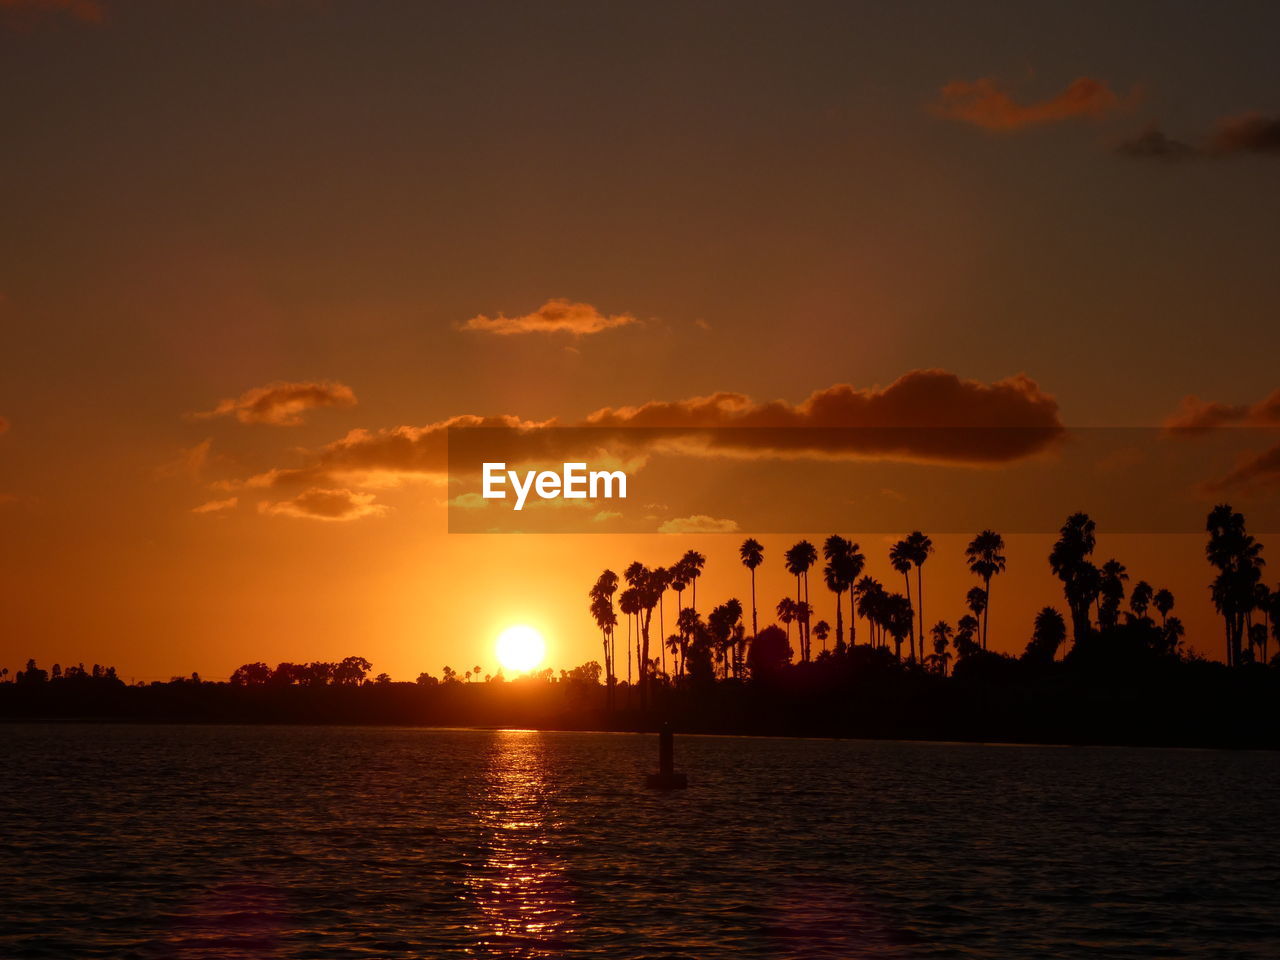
(1197, 416)
(327, 505)
(698, 523)
(217, 506)
(554, 316)
(985, 103)
(281, 404)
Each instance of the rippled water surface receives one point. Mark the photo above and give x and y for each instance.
(227, 842)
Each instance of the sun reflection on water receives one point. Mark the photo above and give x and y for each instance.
(526, 907)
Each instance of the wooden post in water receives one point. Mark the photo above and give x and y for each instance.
(666, 778)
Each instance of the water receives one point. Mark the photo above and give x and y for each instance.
(228, 842)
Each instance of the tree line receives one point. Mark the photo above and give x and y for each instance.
(1096, 598)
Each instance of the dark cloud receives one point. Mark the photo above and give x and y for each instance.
(928, 416)
(984, 103)
(554, 316)
(1249, 133)
(1153, 143)
(923, 416)
(281, 404)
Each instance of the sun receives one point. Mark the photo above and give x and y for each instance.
(520, 648)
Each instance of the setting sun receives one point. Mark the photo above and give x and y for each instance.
(520, 648)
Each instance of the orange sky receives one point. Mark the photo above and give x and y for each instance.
(427, 211)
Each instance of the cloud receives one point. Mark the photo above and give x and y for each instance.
(604, 516)
(554, 316)
(217, 506)
(1255, 473)
(923, 416)
(384, 458)
(190, 462)
(281, 404)
(926, 416)
(86, 11)
(984, 103)
(1152, 143)
(1247, 133)
(698, 523)
(322, 504)
(1198, 416)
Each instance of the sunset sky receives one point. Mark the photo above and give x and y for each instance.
(255, 253)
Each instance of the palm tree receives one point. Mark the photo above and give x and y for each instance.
(693, 562)
(720, 624)
(1114, 577)
(899, 620)
(822, 630)
(799, 558)
(752, 555)
(976, 601)
(986, 560)
(1140, 598)
(1069, 561)
(920, 547)
(679, 580)
(1163, 602)
(602, 610)
(867, 596)
(787, 613)
(629, 604)
(690, 625)
(661, 579)
(674, 644)
(941, 632)
(1047, 636)
(843, 567)
(965, 644)
(900, 560)
(1238, 558)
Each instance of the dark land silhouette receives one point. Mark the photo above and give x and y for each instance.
(1113, 670)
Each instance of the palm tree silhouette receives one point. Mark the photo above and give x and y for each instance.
(1048, 634)
(1140, 598)
(843, 567)
(867, 595)
(1069, 561)
(976, 601)
(752, 555)
(799, 558)
(629, 604)
(1111, 596)
(920, 547)
(822, 630)
(693, 562)
(786, 613)
(900, 560)
(986, 560)
(602, 611)
(1163, 602)
(941, 632)
(1238, 558)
